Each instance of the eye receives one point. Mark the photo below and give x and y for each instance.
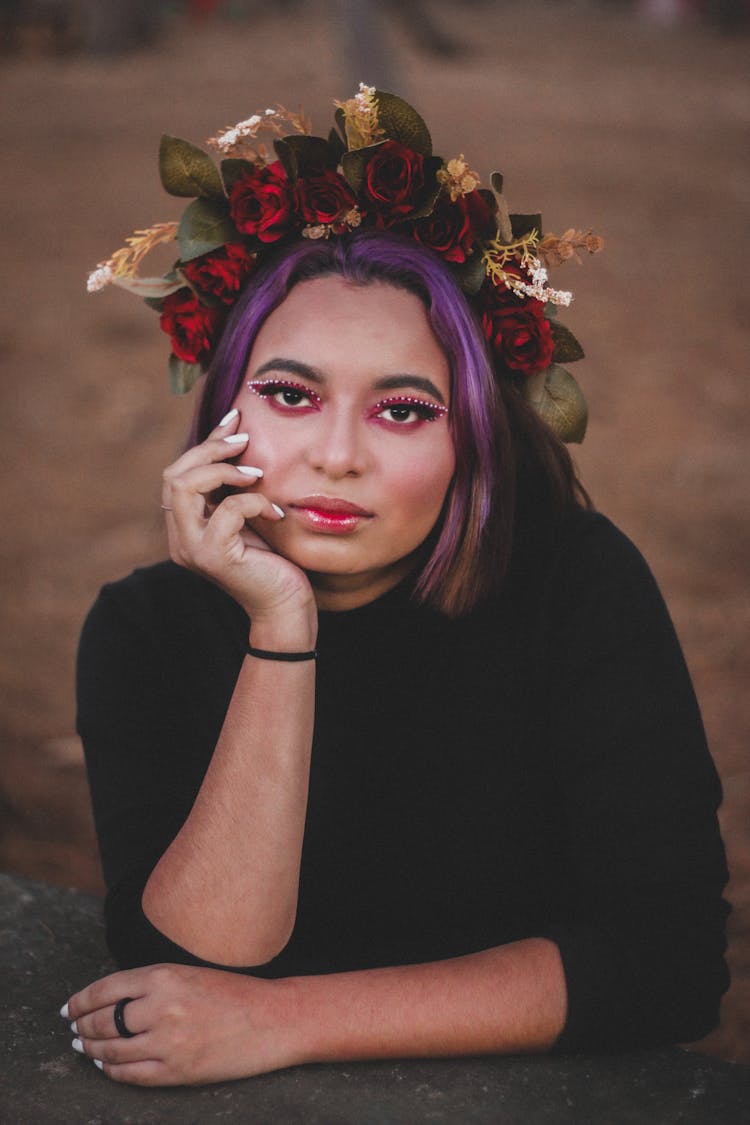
(409, 411)
(284, 395)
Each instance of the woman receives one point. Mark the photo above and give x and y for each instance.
(486, 821)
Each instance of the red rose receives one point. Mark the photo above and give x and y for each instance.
(262, 203)
(453, 228)
(394, 182)
(324, 198)
(221, 273)
(191, 325)
(519, 333)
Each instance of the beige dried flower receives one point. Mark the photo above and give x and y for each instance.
(234, 141)
(125, 261)
(554, 251)
(458, 178)
(361, 118)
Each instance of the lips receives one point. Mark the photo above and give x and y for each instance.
(329, 514)
(330, 506)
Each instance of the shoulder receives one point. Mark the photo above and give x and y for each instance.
(582, 583)
(162, 599)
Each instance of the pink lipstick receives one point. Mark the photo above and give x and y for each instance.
(330, 514)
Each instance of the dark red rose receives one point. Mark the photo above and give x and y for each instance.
(394, 182)
(190, 324)
(222, 273)
(262, 203)
(453, 228)
(324, 198)
(518, 331)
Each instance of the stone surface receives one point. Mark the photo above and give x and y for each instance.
(51, 945)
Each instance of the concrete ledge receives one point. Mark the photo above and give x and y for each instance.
(51, 945)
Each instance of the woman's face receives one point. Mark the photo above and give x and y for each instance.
(346, 401)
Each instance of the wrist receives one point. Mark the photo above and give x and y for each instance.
(296, 632)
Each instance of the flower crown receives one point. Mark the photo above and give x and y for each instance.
(375, 170)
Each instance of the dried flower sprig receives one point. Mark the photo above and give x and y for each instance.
(124, 262)
(554, 251)
(458, 178)
(235, 139)
(361, 118)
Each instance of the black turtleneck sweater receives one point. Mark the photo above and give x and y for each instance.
(537, 768)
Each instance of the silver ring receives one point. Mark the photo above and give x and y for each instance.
(164, 508)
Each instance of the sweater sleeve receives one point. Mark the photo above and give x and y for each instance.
(643, 942)
(138, 718)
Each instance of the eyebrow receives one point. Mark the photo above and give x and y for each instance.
(385, 383)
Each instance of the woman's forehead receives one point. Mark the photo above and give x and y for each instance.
(334, 326)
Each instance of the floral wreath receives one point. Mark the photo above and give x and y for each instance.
(375, 170)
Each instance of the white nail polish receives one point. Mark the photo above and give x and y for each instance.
(74, 1027)
(228, 417)
(278, 510)
(64, 1012)
(236, 439)
(250, 471)
(99, 1063)
(77, 1045)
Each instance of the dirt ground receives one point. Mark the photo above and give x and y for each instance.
(597, 119)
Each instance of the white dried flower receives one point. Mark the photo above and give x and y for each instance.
(100, 278)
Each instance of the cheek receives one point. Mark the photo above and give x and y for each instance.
(422, 483)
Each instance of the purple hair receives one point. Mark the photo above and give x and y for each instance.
(455, 573)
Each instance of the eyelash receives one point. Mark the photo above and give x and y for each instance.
(425, 410)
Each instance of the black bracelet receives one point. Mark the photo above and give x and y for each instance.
(267, 654)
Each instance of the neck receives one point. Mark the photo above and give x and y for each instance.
(339, 592)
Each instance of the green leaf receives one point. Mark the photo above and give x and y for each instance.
(470, 274)
(187, 170)
(182, 375)
(432, 166)
(337, 146)
(567, 348)
(402, 123)
(151, 287)
(559, 400)
(232, 170)
(204, 226)
(524, 224)
(353, 165)
(304, 156)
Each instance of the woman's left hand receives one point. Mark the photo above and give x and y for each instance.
(190, 1025)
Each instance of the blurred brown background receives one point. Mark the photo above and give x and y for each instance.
(630, 119)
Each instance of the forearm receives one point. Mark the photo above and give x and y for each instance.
(503, 1000)
(226, 888)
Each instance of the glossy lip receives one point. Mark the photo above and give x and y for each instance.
(330, 513)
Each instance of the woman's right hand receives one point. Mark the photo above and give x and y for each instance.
(212, 536)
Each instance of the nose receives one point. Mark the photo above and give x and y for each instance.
(339, 447)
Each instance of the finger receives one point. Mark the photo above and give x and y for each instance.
(188, 492)
(231, 515)
(213, 449)
(106, 991)
(101, 1023)
(116, 1050)
(147, 1072)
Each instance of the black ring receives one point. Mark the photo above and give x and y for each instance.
(122, 1029)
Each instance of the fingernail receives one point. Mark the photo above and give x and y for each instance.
(249, 471)
(64, 1012)
(99, 1063)
(74, 1027)
(77, 1045)
(228, 417)
(236, 439)
(279, 511)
